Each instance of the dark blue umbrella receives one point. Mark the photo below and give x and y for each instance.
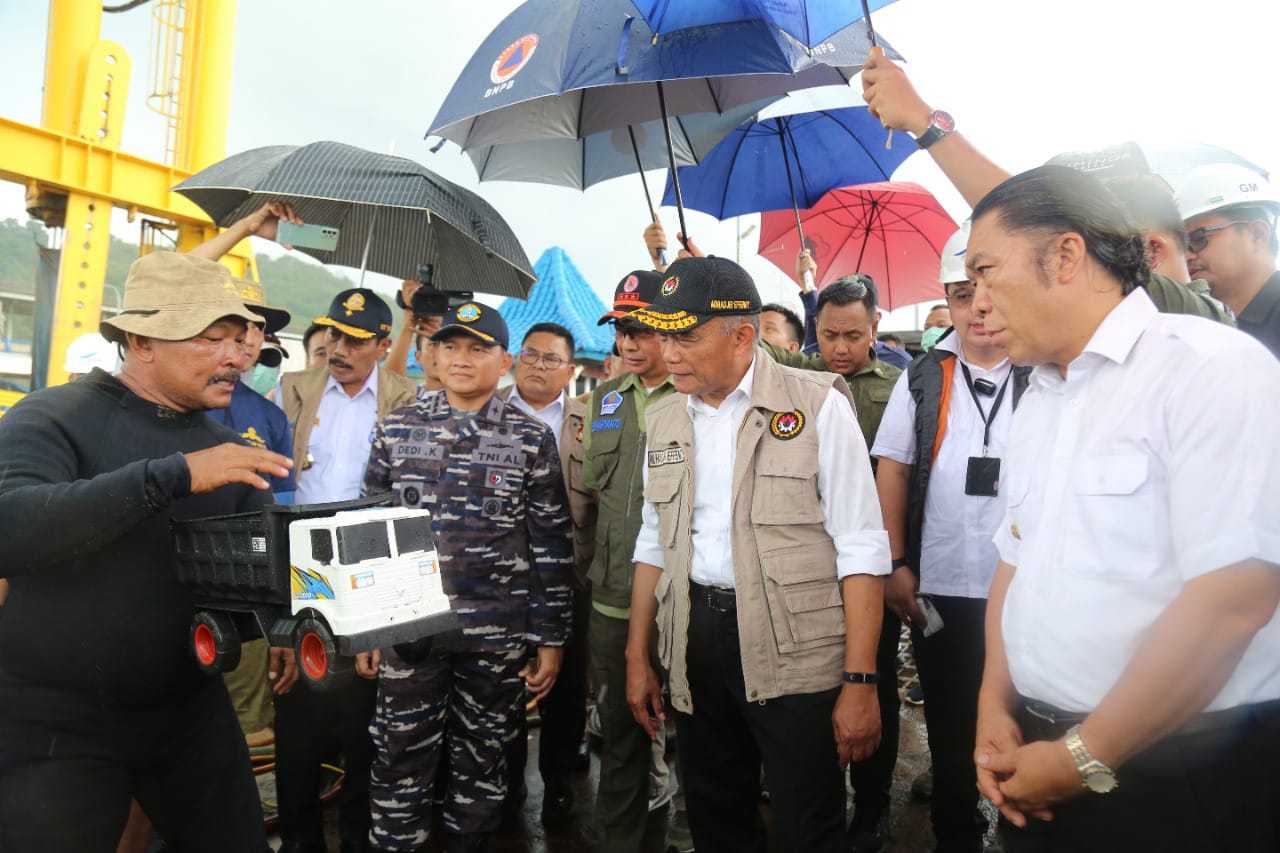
(574, 68)
(810, 21)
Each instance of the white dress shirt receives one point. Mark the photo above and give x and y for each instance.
(957, 556)
(552, 414)
(1154, 462)
(340, 441)
(851, 512)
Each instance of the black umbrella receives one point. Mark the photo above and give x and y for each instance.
(393, 214)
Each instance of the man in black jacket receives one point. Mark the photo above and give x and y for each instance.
(100, 697)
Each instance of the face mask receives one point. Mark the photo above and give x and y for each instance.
(931, 336)
(262, 378)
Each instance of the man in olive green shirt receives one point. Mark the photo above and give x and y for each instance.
(613, 440)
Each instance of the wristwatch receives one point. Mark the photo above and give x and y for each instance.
(1094, 775)
(861, 677)
(940, 124)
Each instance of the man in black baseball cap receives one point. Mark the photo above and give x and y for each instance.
(476, 320)
(783, 480)
(696, 290)
(637, 290)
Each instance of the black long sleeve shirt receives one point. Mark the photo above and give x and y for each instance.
(90, 475)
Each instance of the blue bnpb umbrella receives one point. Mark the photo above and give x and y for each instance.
(573, 68)
(790, 161)
(809, 21)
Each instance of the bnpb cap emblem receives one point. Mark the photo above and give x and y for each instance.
(669, 286)
(354, 303)
(630, 285)
(786, 425)
(469, 313)
(513, 60)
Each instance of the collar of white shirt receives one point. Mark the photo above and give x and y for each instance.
(370, 385)
(1113, 340)
(697, 407)
(552, 408)
(952, 344)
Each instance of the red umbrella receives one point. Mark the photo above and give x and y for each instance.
(891, 231)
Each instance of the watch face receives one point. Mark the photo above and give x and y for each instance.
(944, 121)
(1100, 782)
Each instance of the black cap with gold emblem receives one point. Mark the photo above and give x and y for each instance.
(477, 320)
(696, 290)
(358, 312)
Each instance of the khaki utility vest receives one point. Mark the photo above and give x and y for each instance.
(790, 611)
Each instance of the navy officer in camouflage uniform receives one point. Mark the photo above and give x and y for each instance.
(490, 475)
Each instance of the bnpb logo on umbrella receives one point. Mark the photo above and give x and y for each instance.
(511, 62)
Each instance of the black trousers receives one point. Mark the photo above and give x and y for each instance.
(1209, 792)
(726, 739)
(563, 711)
(314, 727)
(873, 777)
(186, 764)
(950, 664)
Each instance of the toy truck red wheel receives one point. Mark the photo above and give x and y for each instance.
(316, 651)
(215, 642)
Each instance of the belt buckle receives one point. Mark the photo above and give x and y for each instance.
(1040, 715)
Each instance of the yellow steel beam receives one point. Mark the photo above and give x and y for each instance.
(74, 165)
(81, 272)
(74, 26)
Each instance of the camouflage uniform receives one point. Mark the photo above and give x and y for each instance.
(493, 485)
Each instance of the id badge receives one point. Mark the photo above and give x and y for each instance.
(983, 477)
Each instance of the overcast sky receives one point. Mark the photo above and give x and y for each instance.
(1024, 80)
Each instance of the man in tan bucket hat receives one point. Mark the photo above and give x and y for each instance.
(100, 696)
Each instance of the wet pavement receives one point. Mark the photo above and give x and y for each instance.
(910, 819)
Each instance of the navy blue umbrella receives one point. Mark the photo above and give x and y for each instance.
(574, 68)
(810, 21)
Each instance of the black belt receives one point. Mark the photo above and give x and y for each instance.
(717, 598)
(1046, 722)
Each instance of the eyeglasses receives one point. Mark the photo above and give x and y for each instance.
(549, 360)
(1198, 239)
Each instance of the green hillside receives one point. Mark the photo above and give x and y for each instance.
(302, 288)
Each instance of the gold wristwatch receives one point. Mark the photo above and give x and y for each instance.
(1094, 775)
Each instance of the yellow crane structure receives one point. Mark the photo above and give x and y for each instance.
(72, 165)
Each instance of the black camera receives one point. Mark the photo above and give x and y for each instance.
(428, 301)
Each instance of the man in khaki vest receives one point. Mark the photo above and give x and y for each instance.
(760, 558)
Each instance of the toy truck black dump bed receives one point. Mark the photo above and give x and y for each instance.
(237, 562)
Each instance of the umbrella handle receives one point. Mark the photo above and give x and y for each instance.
(809, 282)
(671, 160)
(877, 50)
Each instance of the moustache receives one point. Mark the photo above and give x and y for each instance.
(337, 362)
(232, 376)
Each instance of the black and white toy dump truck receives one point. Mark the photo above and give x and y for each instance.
(325, 579)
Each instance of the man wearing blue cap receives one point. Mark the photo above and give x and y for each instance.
(490, 475)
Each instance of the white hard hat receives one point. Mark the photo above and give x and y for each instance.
(89, 351)
(951, 268)
(1219, 185)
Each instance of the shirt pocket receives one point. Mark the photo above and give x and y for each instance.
(803, 595)
(786, 489)
(663, 491)
(1116, 517)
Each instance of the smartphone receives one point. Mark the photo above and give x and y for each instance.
(322, 237)
(932, 620)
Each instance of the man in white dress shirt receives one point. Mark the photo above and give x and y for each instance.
(1129, 696)
(544, 369)
(760, 558)
(940, 446)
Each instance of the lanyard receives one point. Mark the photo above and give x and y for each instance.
(987, 417)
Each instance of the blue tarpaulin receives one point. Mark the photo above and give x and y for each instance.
(561, 295)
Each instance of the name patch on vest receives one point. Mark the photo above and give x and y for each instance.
(417, 450)
(602, 424)
(610, 402)
(668, 456)
(785, 426)
(502, 457)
